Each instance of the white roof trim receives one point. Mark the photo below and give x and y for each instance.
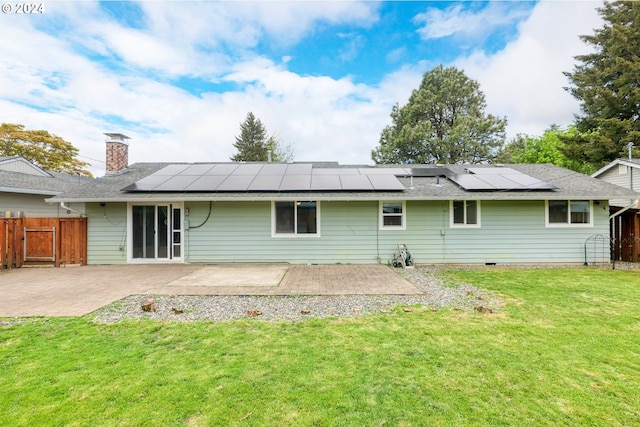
(616, 162)
(37, 169)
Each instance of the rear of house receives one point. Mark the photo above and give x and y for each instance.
(329, 213)
(336, 231)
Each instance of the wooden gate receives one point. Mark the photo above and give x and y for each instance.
(11, 246)
(625, 230)
(43, 241)
(40, 240)
(72, 242)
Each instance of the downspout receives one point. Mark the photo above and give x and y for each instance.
(630, 168)
(69, 209)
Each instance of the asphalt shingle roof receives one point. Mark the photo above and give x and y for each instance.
(570, 185)
(57, 183)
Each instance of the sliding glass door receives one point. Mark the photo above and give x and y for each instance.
(156, 232)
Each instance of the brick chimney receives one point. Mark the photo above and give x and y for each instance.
(117, 153)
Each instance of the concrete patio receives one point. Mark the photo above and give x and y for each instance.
(76, 291)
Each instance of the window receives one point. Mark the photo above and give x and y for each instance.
(465, 213)
(295, 218)
(569, 212)
(392, 215)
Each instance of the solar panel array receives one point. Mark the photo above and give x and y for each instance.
(273, 177)
(282, 177)
(499, 178)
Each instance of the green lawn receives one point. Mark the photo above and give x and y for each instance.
(565, 350)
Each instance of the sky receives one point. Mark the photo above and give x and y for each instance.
(179, 77)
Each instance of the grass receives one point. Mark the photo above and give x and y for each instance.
(565, 350)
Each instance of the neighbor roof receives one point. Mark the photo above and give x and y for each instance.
(634, 163)
(136, 184)
(20, 164)
(18, 175)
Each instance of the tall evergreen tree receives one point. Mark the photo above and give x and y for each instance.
(252, 144)
(606, 83)
(443, 122)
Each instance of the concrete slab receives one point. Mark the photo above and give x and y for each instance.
(78, 291)
(233, 275)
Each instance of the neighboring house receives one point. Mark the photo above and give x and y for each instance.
(327, 213)
(31, 229)
(625, 212)
(25, 186)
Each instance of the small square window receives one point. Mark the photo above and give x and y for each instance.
(392, 215)
(295, 218)
(465, 213)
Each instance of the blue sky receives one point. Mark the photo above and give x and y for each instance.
(179, 77)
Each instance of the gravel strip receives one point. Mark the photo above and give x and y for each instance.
(436, 295)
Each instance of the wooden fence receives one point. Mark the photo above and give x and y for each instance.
(625, 230)
(42, 241)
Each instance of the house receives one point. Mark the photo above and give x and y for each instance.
(324, 212)
(625, 212)
(31, 229)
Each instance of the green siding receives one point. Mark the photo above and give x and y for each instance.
(34, 206)
(613, 176)
(511, 231)
(107, 233)
(241, 231)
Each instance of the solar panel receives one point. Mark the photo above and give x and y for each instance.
(325, 182)
(499, 178)
(171, 170)
(295, 183)
(197, 169)
(355, 182)
(471, 182)
(265, 183)
(247, 169)
(299, 169)
(148, 183)
(176, 183)
(236, 183)
(206, 183)
(385, 171)
(335, 171)
(385, 182)
(240, 177)
(273, 169)
(223, 169)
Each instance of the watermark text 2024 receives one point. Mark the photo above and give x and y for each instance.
(22, 8)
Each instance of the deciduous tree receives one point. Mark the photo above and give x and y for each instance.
(547, 148)
(50, 152)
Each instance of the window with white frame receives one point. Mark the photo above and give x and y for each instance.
(569, 213)
(393, 215)
(295, 218)
(465, 213)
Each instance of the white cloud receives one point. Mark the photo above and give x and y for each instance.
(461, 20)
(49, 82)
(524, 81)
(52, 82)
